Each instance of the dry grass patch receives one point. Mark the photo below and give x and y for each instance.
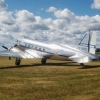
(56, 80)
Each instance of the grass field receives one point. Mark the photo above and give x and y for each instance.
(56, 80)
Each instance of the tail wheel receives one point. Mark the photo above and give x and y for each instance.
(43, 61)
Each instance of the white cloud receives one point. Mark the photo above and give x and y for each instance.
(51, 9)
(25, 16)
(24, 23)
(96, 4)
(65, 14)
(28, 22)
(3, 6)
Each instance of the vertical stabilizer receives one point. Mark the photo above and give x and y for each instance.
(88, 43)
(92, 45)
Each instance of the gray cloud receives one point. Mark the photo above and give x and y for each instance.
(40, 27)
(3, 6)
(96, 28)
(6, 18)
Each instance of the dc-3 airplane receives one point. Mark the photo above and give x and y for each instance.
(84, 52)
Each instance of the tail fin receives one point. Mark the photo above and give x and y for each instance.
(88, 43)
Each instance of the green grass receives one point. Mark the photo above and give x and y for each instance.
(56, 80)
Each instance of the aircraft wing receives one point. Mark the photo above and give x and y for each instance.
(7, 53)
(18, 53)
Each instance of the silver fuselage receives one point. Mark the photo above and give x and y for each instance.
(51, 50)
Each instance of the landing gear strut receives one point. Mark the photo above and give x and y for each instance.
(43, 61)
(17, 61)
(82, 64)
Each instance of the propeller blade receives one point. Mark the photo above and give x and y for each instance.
(5, 47)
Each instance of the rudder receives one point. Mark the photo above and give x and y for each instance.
(88, 42)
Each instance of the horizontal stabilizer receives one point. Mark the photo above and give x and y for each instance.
(82, 59)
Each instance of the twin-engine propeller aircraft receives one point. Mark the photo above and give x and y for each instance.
(84, 52)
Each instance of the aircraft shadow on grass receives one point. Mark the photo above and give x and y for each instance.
(37, 65)
(91, 66)
(71, 64)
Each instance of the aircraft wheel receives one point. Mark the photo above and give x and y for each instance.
(82, 64)
(43, 61)
(17, 62)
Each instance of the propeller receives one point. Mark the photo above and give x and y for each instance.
(5, 47)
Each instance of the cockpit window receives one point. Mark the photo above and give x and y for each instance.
(22, 43)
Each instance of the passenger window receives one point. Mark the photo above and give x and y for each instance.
(39, 48)
(43, 49)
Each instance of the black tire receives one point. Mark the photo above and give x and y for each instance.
(43, 61)
(82, 64)
(17, 62)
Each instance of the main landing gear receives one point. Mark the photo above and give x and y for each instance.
(43, 61)
(17, 61)
(82, 64)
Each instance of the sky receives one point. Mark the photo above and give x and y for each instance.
(62, 21)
